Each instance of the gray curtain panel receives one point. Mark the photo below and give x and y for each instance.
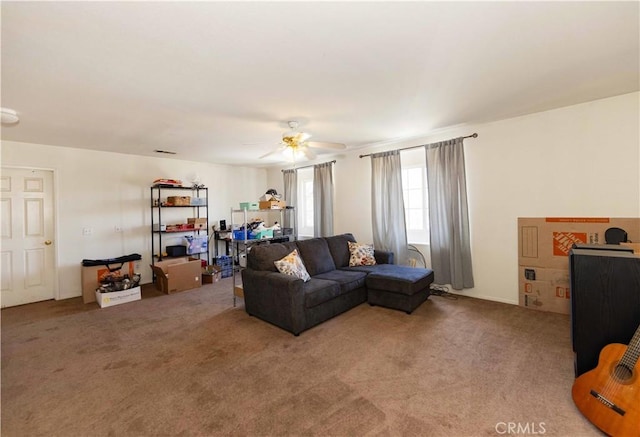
(323, 200)
(389, 227)
(290, 195)
(448, 214)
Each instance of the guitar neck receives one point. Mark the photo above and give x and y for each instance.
(630, 357)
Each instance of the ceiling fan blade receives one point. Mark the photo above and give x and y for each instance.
(308, 153)
(325, 145)
(273, 152)
(303, 136)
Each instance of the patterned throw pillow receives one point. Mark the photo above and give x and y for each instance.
(361, 255)
(292, 265)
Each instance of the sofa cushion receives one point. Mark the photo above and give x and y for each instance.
(348, 280)
(361, 255)
(365, 269)
(263, 256)
(318, 291)
(316, 256)
(399, 279)
(292, 265)
(338, 246)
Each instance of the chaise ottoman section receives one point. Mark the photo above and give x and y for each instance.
(399, 287)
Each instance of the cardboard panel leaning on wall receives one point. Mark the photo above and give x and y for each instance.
(543, 255)
(544, 289)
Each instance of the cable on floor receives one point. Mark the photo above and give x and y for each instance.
(442, 291)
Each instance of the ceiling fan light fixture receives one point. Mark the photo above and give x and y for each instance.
(9, 116)
(294, 135)
(293, 153)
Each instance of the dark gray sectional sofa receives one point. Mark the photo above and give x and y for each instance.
(334, 287)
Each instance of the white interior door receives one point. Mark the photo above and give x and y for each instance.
(27, 258)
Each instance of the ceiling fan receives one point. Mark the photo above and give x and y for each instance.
(295, 144)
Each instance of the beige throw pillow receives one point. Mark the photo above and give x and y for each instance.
(361, 255)
(292, 265)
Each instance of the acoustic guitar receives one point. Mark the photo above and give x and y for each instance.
(609, 395)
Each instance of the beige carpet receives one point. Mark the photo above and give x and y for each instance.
(191, 364)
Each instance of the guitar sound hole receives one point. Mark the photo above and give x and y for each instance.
(622, 373)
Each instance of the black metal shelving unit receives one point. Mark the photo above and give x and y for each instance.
(197, 208)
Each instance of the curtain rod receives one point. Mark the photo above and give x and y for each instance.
(473, 135)
(307, 166)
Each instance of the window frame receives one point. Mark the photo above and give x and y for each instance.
(304, 206)
(420, 235)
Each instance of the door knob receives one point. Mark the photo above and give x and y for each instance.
(48, 242)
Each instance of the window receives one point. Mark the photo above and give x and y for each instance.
(414, 191)
(305, 202)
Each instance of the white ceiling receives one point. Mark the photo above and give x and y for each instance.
(217, 81)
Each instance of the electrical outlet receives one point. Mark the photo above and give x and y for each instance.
(87, 231)
(117, 228)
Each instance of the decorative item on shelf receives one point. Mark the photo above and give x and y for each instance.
(195, 180)
(271, 194)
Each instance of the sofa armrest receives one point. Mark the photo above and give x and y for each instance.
(274, 297)
(383, 256)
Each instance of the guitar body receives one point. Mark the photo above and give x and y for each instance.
(609, 395)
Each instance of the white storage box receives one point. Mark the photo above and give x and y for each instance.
(118, 297)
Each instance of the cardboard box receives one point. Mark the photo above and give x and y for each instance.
(238, 291)
(273, 204)
(211, 274)
(544, 244)
(634, 246)
(117, 297)
(197, 222)
(544, 289)
(92, 277)
(546, 241)
(180, 274)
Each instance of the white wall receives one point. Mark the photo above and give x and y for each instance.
(101, 190)
(582, 160)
